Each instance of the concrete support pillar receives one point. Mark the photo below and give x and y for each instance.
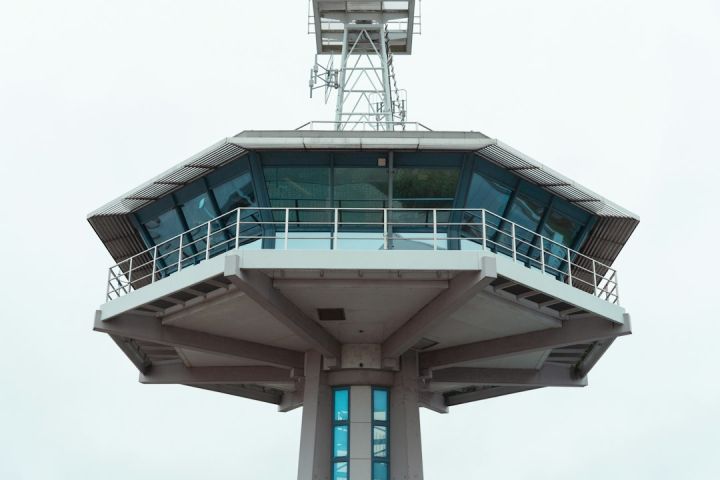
(316, 433)
(360, 432)
(405, 443)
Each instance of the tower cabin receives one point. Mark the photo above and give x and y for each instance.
(362, 275)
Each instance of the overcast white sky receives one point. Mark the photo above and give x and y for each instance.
(98, 96)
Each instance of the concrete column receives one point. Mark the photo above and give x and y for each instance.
(316, 432)
(360, 433)
(405, 443)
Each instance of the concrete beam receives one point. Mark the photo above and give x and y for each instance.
(572, 332)
(149, 329)
(133, 352)
(180, 374)
(597, 351)
(484, 394)
(462, 288)
(433, 401)
(548, 376)
(243, 391)
(360, 376)
(259, 287)
(291, 400)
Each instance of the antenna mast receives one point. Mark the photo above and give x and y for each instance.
(365, 35)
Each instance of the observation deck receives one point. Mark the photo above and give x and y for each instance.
(495, 270)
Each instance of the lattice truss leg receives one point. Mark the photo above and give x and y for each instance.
(367, 93)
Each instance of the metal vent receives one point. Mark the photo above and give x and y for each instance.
(331, 314)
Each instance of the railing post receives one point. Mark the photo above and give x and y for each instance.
(484, 228)
(237, 229)
(617, 287)
(385, 229)
(207, 243)
(180, 245)
(594, 280)
(287, 226)
(514, 243)
(542, 254)
(107, 293)
(434, 229)
(335, 230)
(569, 267)
(154, 264)
(129, 275)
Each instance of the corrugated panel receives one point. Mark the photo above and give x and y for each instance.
(112, 222)
(614, 226)
(118, 235)
(608, 237)
(188, 171)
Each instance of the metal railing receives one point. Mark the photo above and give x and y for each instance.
(397, 25)
(341, 228)
(364, 125)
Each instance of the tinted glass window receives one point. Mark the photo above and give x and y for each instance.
(342, 405)
(488, 193)
(235, 193)
(360, 187)
(526, 211)
(425, 187)
(199, 210)
(164, 227)
(298, 186)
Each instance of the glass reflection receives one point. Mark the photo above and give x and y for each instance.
(380, 441)
(342, 405)
(380, 405)
(340, 471)
(340, 441)
(380, 471)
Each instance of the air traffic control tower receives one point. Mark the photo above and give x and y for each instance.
(363, 267)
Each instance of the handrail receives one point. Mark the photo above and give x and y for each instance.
(369, 228)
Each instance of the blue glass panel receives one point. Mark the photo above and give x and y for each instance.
(199, 210)
(425, 187)
(340, 441)
(380, 441)
(380, 471)
(360, 188)
(526, 211)
(166, 226)
(235, 193)
(488, 193)
(298, 186)
(340, 471)
(380, 405)
(561, 229)
(341, 405)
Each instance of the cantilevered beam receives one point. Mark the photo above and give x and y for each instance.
(259, 287)
(462, 288)
(483, 394)
(291, 400)
(133, 352)
(180, 374)
(259, 394)
(572, 332)
(548, 376)
(597, 351)
(433, 401)
(149, 329)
